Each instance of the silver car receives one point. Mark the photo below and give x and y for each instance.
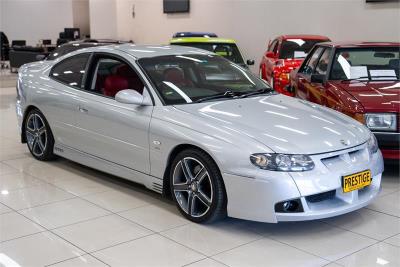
(196, 127)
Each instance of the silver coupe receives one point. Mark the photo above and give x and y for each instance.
(198, 128)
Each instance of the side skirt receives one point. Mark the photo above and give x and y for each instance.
(151, 182)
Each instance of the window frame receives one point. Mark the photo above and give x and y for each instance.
(308, 58)
(330, 58)
(83, 81)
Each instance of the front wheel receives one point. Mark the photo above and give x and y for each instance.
(39, 137)
(197, 187)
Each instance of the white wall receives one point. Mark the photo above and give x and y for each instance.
(80, 15)
(103, 19)
(32, 20)
(253, 22)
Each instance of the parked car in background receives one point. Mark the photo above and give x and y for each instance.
(360, 80)
(75, 45)
(284, 54)
(210, 42)
(192, 125)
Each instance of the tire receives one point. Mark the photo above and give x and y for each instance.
(198, 189)
(39, 137)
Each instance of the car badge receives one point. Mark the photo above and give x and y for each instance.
(345, 142)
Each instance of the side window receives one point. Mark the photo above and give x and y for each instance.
(273, 47)
(323, 63)
(113, 75)
(71, 70)
(309, 67)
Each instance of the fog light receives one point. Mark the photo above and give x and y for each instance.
(289, 206)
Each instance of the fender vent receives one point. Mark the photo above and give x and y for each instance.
(157, 187)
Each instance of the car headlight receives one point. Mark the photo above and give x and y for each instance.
(372, 144)
(282, 162)
(381, 121)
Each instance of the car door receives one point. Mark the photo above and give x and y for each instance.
(108, 129)
(318, 91)
(271, 59)
(304, 85)
(60, 97)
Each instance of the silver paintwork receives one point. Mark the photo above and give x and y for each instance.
(135, 142)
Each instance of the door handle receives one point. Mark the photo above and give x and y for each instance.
(83, 110)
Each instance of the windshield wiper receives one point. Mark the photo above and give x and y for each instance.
(227, 94)
(372, 78)
(258, 92)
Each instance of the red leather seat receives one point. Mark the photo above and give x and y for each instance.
(176, 76)
(115, 83)
(134, 81)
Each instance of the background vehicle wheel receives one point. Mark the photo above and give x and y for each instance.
(197, 187)
(39, 137)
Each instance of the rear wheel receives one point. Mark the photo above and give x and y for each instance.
(197, 187)
(38, 136)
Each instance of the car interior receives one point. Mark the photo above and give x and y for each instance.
(111, 76)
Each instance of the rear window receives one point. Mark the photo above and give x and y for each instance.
(71, 70)
(296, 48)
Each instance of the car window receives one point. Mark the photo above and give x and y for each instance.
(323, 62)
(274, 46)
(309, 67)
(228, 51)
(181, 79)
(71, 70)
(112, 75)
(297, 48)
(374, 63)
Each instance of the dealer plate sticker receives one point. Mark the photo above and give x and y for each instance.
(356, 181)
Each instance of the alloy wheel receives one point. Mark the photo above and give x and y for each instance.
(36, 134)
(192, 187)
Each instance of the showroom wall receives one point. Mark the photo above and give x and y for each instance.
(253, 22)
(32, 20)
(103, 19)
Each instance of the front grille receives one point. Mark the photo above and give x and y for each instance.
(321, 196)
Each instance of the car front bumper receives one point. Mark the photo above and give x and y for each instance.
(320, 190)
(389, 143)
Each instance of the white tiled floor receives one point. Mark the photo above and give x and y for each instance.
(64, 214)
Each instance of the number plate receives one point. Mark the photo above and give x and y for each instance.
(356, 181)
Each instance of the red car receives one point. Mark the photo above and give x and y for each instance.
(284, 54)
(360, 80)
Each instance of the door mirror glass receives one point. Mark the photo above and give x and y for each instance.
(250, 62)
(318, 78)
(129, 96)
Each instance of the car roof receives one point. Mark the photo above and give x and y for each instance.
(194, 34)
(147, 51)
(303, 36)
(354, 44)
(202, 40)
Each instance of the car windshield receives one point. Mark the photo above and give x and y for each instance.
(297, 48)
(228, 51)
(370, 63)
(181, 79)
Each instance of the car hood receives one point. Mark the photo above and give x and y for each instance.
(284, 124)
(379, 96)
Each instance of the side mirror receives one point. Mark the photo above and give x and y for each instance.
(317, 78)
(40, 57)
(250, 62)
(270, 54)
(129, 96)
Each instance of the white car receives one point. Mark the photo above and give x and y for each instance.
(192, 125)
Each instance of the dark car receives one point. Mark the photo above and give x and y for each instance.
(360, 80)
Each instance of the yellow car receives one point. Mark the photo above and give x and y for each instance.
(210, 42)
